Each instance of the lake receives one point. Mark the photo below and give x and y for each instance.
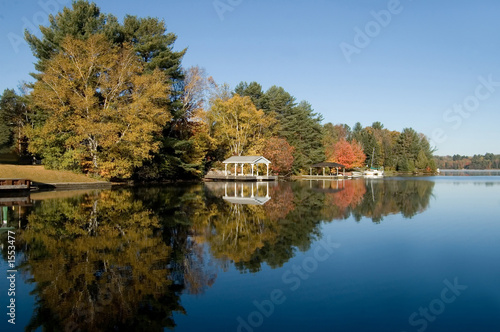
(392, 254)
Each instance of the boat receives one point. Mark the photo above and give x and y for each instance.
(373, 173)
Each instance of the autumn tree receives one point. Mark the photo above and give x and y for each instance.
(185, 142)
(334, 133)
(154, 48)
(296, 122)
(359, 154)
(103, 111)
(280, 153)
(237, 126)
(349, 154)
(343, 154)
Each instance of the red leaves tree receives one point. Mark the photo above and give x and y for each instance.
(359, 154)
(280, 153)
(349, 154)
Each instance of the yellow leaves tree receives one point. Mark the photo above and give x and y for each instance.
(238, 126)
(103, 111)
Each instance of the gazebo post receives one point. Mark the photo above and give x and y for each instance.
(257, 169)
(235, 171)
(267, 169)
(252, 172)
(343, 171)
(323, 171)
(242, 169)
(225, 169)
(310, 171)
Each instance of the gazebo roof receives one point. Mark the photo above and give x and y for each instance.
(328, 164)
(246, 160)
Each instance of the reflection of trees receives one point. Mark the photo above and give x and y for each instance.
(100, 263)
(408, 197)
(236, 231)
(338, 204)
(373, 198)
(107, 260)
(175, 208)
(250, 235)
(233, 231)
(281, 204)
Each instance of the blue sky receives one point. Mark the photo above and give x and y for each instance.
(430, 65)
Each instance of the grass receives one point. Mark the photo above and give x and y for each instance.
(38, 173)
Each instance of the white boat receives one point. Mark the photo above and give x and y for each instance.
(373, 173)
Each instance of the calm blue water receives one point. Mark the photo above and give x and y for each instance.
(400, 254)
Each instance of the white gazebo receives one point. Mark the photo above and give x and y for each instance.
(242, 160)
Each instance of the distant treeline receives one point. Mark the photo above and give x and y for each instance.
(113, 100)
(486, 161)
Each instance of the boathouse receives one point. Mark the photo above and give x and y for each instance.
(330, 165)
(237, 164)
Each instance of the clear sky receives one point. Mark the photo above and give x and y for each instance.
(430, 65)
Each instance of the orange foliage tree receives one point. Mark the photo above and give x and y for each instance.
(280, 153)
(359, 154)
(349, 154)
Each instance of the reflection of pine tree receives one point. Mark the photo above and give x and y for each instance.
(112, 259)
(383, 198)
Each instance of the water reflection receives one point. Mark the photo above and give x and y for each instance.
(110, 260)
(254, 193)
(99, 263)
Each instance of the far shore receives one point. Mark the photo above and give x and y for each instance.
(45, 179)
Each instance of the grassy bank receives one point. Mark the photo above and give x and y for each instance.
(40, 174)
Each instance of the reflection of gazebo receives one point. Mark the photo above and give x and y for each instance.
(327, 164)
(328, 186)
(239, 197)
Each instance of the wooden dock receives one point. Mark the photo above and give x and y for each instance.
(326, 177)
(222, 177)
(15, 185)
